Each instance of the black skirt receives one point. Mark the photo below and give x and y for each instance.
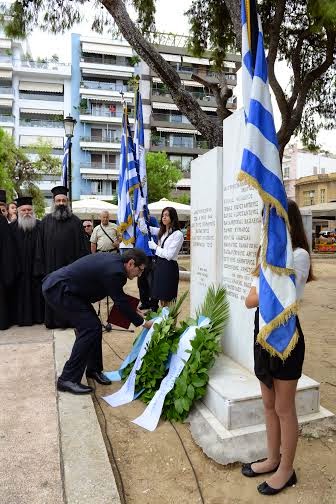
(267, 367)
(165, 280)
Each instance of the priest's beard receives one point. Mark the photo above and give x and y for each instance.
(61, 212)
(27, 222)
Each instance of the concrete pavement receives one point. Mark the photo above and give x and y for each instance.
(51, 445)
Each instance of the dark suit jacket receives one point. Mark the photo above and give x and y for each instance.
(94, 277)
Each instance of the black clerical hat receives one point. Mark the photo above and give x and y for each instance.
(24, 200)
(59, 190)
(2, 196)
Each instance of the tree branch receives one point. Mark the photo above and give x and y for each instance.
(234, 8)
(221, 92)
(182, 98)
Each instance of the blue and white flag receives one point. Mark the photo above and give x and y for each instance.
(127, 167)
(140, 157)
(261, 169)
(65, 163)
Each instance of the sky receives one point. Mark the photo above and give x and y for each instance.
(169, 18)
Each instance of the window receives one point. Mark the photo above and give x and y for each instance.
(315, 170)
(322, 196)
(100, 187)
(323, 171)
(286, 171)
(308, 198)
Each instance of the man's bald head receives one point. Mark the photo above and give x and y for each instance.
(104, 217)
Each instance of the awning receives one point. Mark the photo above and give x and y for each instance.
(6, 74)
(97, 176)
(111, 99)
(171, 57)
(164, 106)
(109, 73)
(4, 102)
(46, 87)
(96, 48)
(182, 131)
(28, 140)
(5, 44)
(196, 61)
(229, 64)
(102, 148)
(42, 111)
(184, 82)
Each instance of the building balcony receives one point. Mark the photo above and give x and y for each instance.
(6, 62)
(172, 145)
(100, 143)
(103, 115)
(162, 120)
(204, 100)
(94, 66)
(7, 92)
(99, 171)
(41, 123)
(6, 120)
(43, 67)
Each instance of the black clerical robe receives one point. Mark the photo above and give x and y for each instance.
(28, 301)
(8, 271)
(63, 242)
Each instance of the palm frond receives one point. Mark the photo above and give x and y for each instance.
(216, 307)
(174, 308)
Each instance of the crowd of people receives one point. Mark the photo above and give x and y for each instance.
(31, 249)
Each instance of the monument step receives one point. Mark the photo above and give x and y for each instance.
(238, 445)
(234, 397)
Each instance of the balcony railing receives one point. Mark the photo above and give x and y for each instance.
(101, 112)
(199, 95)
(6, 90)
(5, 59)
(105, 60)
(41, 123)
(47, 65)
(188, 143)
(27, 95)
(110, 86)
(99, 166)
(102, 139)
(179, 119)
(6, 118)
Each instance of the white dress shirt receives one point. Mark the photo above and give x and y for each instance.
(172, 245)
(301, 267)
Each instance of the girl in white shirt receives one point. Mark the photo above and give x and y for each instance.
(170, 240)
(278, 379)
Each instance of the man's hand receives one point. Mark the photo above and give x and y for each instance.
(148, 324)
(152, 245)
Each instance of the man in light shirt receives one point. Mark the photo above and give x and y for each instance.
(105, 237)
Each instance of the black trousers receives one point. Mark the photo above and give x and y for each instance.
(87, 349)
(145, 285)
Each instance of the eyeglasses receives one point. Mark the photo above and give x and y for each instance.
(88, 225)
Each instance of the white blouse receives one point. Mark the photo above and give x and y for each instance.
(301, 267)
(172, 245)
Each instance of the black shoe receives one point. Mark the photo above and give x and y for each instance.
(249, 473)
(72, 387)
(265, 489)
(99, 377)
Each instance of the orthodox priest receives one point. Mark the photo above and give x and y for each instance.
(8, 266)
(28, 302)
(63, 242)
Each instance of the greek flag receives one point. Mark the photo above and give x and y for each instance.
(261, 169)
(65, 163)
(127, 166)
(139, 144)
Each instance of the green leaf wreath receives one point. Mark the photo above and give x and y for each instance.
(191, 384)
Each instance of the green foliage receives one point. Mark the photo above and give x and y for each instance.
(162, 175)
(19, 174)
(183, 198)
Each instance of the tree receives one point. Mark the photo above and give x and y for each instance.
(23, 171)
(162, 175)
(300, 32)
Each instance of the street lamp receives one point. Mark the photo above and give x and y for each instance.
(69, 126)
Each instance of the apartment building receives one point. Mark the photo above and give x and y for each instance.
(300, 163)
(102, 75)
(35, 96)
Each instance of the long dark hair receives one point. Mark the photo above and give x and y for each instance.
(297, 231)
(174, 225)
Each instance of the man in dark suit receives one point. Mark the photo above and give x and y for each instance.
(71, 290)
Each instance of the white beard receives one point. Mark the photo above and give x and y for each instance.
(26, 222)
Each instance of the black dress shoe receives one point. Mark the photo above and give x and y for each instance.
(99, 377)
(265, 489)
(249, 473)
(72, 387)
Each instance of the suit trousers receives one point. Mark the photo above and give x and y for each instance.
(145, 282)
(87, 349)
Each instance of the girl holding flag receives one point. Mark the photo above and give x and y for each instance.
(278, 378)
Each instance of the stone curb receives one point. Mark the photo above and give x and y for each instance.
(87, 474)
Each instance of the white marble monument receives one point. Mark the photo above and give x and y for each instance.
(225, 235)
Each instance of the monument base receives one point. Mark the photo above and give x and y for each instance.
(228, 424)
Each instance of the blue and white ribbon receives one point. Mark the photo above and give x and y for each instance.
(151, 416)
